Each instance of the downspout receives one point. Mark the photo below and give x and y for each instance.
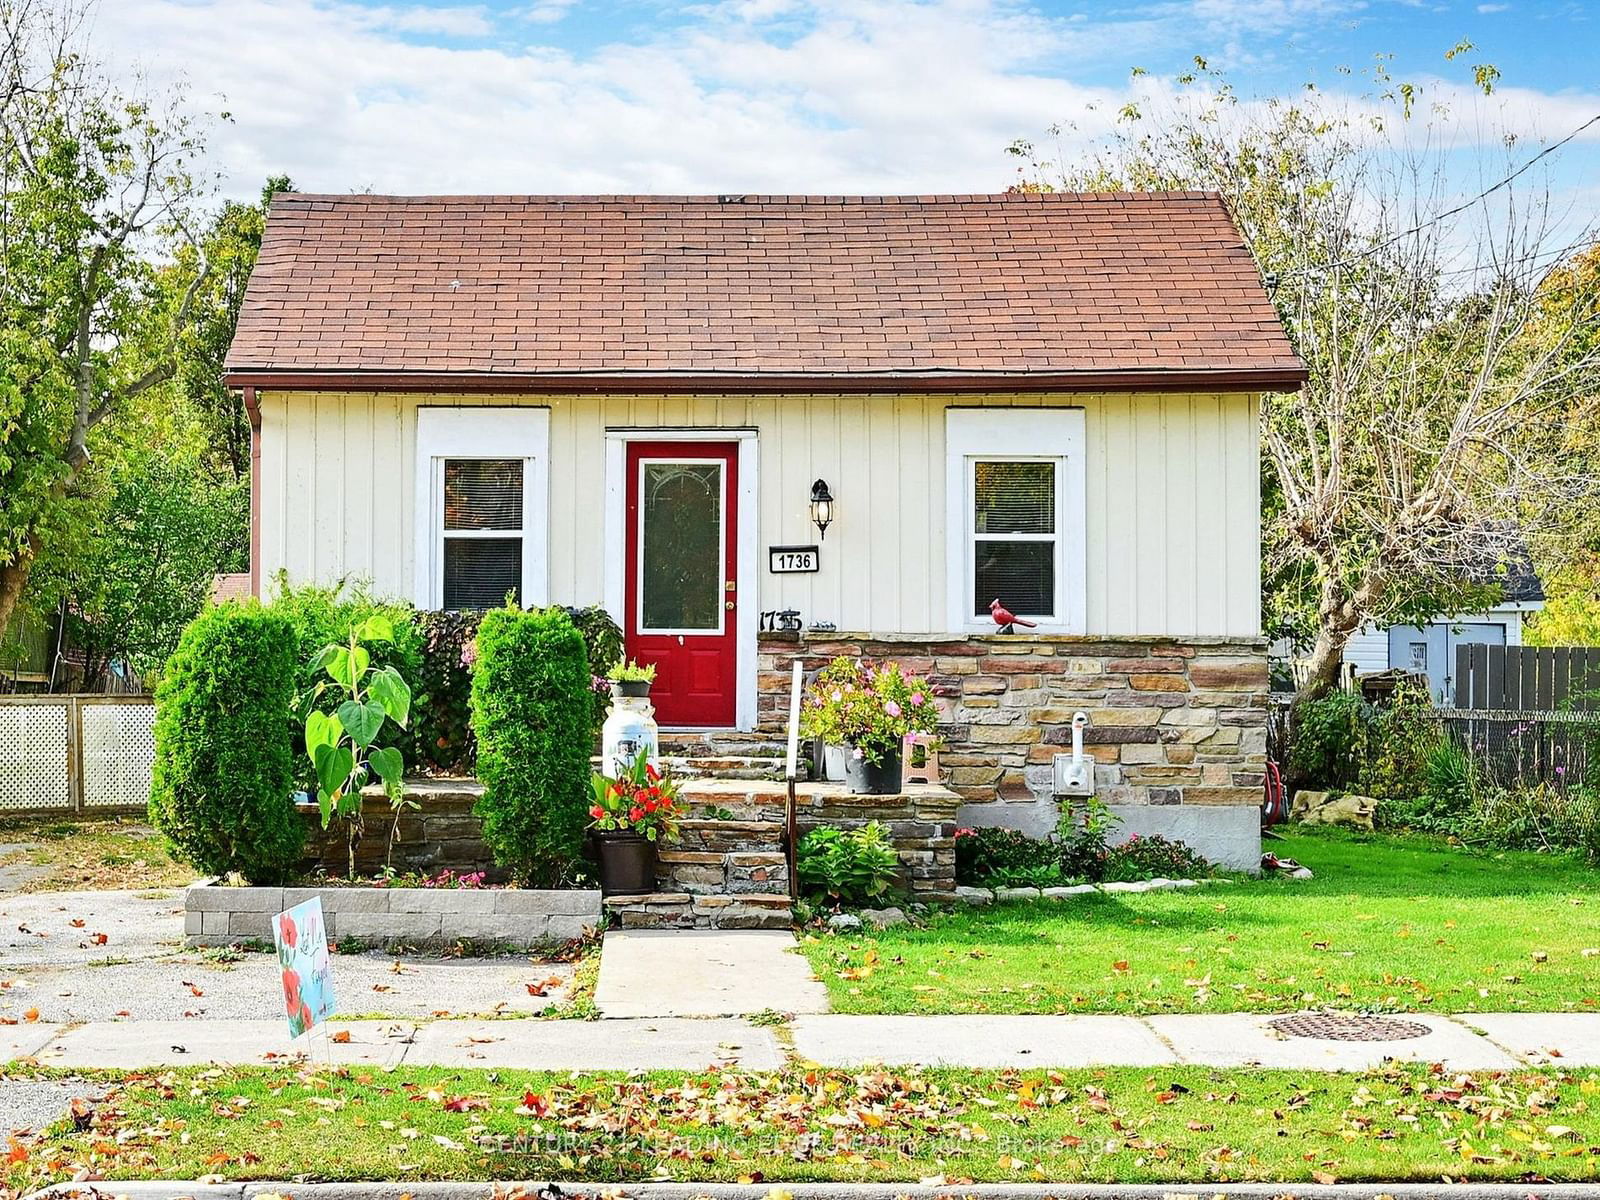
(252, 409)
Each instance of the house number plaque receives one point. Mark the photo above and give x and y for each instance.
(792, 560)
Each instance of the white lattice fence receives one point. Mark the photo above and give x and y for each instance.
(68, 753)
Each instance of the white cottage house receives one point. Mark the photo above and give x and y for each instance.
(755, 427)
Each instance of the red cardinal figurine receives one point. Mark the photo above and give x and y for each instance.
(1007, 619)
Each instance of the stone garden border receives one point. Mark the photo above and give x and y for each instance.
(215, 915)
(981, 895)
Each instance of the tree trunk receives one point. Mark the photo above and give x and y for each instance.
(13, 578)
(1324, 664)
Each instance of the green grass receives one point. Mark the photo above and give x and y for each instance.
(1127, 1125)
(1396, 923)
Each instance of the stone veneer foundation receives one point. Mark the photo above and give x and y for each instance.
(1177, 725)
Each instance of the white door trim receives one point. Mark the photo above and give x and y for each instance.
(615, 542)
(482, 431)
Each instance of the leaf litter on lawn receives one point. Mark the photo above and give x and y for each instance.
(805, 1122)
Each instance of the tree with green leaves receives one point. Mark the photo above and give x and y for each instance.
(1443, 353)
(98, 185)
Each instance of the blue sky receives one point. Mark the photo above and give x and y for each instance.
(789, 95)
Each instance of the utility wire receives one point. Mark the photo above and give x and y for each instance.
(1449, 212)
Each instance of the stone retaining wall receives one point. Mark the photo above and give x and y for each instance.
(442, 832)
(1177, 725)
(421, 917)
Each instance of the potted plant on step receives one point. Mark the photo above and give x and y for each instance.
(631, 678)
(869, 710)
(633, 813)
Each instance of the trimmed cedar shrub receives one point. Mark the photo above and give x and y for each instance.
(602, 638)
(222, 778)
(321, 616)
(531, 715)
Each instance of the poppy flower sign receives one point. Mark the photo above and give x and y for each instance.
(302, 941)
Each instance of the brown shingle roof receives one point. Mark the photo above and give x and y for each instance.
(765, 287)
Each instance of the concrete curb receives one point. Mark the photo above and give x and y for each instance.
(180, 1190)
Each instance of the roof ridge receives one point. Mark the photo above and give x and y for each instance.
(732, 199)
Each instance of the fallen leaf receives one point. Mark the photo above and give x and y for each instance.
(341, 1038)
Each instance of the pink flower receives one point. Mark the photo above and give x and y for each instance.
(916, 698)
(837, 695)
(892, 709)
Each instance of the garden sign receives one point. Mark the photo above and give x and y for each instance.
(302, 940)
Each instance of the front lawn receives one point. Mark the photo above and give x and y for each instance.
(1388, 923)
(1183, 1124)
(71, 853)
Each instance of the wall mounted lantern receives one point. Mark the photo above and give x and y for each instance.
(821, 507)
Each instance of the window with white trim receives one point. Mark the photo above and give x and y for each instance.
(481, 506)
(1014, 535)
(481, 531)
(1015, 516)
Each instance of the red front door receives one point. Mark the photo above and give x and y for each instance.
(682, 589)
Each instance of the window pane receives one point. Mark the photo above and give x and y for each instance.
(1021, 575)
(681, 524)
(483, 493)
(478, 572)
(1014, 497)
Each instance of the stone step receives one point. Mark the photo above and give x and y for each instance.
(719, 836)
(718, 743)
(706, 873)
(683, 910)
(722, 766)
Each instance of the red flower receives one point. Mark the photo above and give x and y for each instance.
(651, 772)
(291, 990)
(597, 812)
(287, 933)
(635, 813)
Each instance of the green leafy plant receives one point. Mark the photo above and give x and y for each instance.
(1083, 831)
(325, 615)
(222, 781)
(1152, 856)
(629, 671)
(602, 638)
(852, 867)
(441, 714)
(1328, 739)
(1398, 735)
(988, 857)
(531, 715)
(342, 745)
(641, 800)
(868, 708)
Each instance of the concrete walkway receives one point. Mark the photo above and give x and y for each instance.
(705, 973)
(1507, 1040)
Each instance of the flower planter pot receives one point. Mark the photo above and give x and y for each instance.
(834, 759)
(627, 863)
(867, 779)
(630, 687)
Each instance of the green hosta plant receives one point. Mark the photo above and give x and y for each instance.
(343, 745)
(854, 866)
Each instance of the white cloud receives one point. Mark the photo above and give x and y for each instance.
(1493, 8)
(746, 95)
(426, 19)
(546, 12)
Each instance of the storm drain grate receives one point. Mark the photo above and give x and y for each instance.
(1338, 1027)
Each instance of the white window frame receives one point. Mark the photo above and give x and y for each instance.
(492, 433)
(1016, 435)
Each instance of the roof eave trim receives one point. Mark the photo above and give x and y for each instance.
(1256, 379)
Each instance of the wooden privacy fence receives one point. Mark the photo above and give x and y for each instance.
(1527, 679)
(75, 753)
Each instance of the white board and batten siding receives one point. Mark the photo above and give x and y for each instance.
(1170, 511)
